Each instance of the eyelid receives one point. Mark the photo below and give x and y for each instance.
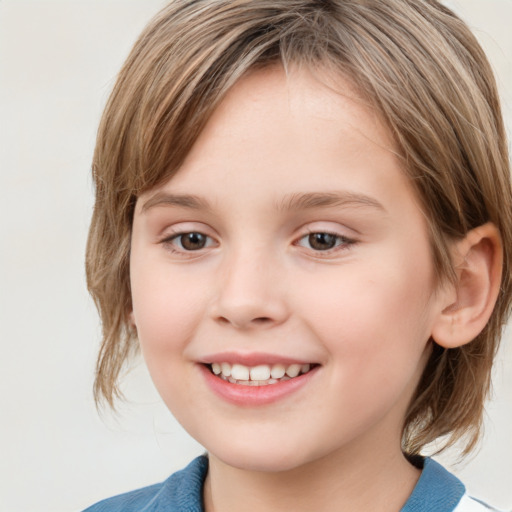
(177, 236)
(170, 230)
(174, 232)
(344, 241)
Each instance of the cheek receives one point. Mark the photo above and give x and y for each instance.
(373, 319)
(165, 312)
(165, 309)
(376, 340)
(377, 307)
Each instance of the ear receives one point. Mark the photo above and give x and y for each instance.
(468, 305)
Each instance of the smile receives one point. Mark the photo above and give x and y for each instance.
(260, 375)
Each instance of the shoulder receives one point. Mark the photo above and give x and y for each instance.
(130, 501)
(181, 491)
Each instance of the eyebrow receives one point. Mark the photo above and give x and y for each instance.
(184, 200)
(296, 201)
(312, 200)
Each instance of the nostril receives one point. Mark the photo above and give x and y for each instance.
(262, 320)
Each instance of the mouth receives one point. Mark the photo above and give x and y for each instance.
(260, 375)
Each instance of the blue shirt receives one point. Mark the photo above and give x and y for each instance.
(437, 490)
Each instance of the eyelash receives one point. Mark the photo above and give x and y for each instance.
(342, 243)
(169, 242)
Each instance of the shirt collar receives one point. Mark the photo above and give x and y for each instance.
(437, 489)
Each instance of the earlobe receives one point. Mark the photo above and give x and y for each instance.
(478, 265)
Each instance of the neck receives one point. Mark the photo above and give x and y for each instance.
(379, 479)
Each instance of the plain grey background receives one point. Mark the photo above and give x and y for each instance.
(58, 61)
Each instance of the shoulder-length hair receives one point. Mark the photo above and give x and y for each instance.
(414, 61)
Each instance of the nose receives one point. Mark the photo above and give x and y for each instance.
(250, 293)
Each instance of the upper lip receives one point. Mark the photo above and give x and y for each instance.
(252, 359)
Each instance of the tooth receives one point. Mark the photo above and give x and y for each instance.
(278, 371)
(261, 372)
(240, 372)
(226, 369)
(293, 370)
(260, 375)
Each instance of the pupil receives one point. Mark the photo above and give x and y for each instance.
(322, 241)
(193, 241)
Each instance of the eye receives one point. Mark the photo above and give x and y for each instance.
(191, 241)
(323, 241)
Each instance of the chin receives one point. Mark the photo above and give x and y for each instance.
(262, 458)
(260, 464)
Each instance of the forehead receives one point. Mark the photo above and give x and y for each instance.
(289, 119)
(305, 101)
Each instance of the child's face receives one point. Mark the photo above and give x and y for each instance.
(305, 245)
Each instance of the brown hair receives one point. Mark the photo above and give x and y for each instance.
(416, 63)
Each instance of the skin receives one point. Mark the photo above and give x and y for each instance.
(363, 310)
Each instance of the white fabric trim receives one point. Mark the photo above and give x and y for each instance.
(469, 504)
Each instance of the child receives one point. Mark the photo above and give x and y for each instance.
(303, 217)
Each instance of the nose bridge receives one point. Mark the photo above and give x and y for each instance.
(250, 292)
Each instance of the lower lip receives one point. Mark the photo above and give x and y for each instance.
(251, 396)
